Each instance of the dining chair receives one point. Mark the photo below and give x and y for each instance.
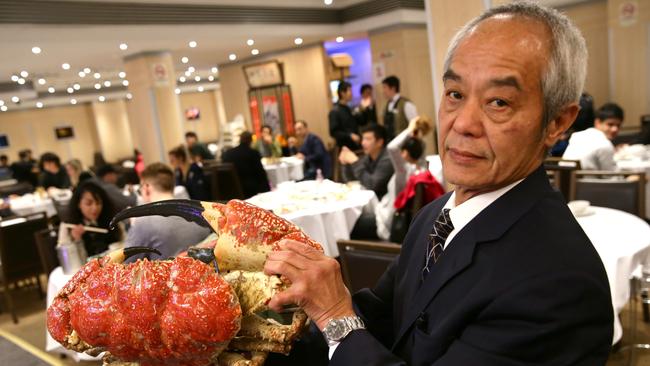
(363, 262)
(19, 258)
(621, 190)
(561, 174)
(46, 244)
(224, 182)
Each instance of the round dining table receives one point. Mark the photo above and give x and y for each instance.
(623, 242)
(283, 170)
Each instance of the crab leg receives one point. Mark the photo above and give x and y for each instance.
(190, 210)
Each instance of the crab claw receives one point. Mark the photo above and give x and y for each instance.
(190, 210)
(119, 256)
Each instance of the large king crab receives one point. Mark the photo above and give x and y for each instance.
(181, 311)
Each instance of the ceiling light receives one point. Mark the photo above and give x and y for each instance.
(125, 82)
(15, 78)
(65, 66)
(87, 70)
(181, 79)
(197, 78)
(15, 99)
(188, 73)
(70, 90)
(98, 86)
(129, 96)
(250, 42)
(192, 44)
(73, 101)
(107, 83)
(3, 108)
(124, 46)
(200, 89)
(36, 50)
(41, 81)
(39, 105)
(232, 57)
(214, 70)
(76, 86)
(2, 102)
(122, 74)
(255, 51)
(24, 74)
(51, 90)
(97, 75)
(328, 2)
(185, 60)
(211, 78)
(177, 91)
(21, 81)
(191, 69)
(339, 39)
(101, 98)
(82, 74)
(298, 41)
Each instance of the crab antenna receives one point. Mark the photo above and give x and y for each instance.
(190, 210)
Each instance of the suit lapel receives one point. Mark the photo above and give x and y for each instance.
(488, 225)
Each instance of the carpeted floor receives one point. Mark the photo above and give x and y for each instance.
(30, 331)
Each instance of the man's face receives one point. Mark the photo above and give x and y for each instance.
(389, 92)
(145, 191)
(300, 130)
(370, 144)
(367, 93)
(50, 166)
(190, 141)
(610, 126)
(346, 95)
(491, 110)
(110, 178)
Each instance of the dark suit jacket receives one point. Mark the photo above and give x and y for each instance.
(341, 124)
(316, 157)
(248, 163)
(521, 284)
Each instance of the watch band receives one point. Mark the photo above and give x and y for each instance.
(339, 328)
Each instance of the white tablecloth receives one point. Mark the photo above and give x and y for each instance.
(639, 165)
(31, 203)
(325, 211)
(287, 169)
(623, 242)
(55, 283)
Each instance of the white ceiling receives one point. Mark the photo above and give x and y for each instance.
(265, 3)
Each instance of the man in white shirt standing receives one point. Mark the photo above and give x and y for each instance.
(593, 146)
(399, 110)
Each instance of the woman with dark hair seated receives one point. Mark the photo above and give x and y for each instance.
(90, 206)
(189, 175)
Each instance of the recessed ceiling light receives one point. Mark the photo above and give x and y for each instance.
(129, 96)
(191, 69)
(98, 86)
(192, 44)
(76, 86)
(97, 75)
(182, 79)
(298, 41)
(250, 42)
(15, 99)
(3, 108)
(73, 101)
(328, 2)
(188, 73)
(101, 98)
(2, 102)
(185, 60)
(200, 89)
(232, 57)
(41, 81)
(177, 91)
(124, 46)
(211, 78)
(87, 70)
(24, 74)
(197, 78)
(15, 78)
(70, 90)
(36, 50)
(107, 83)
(21, 81)
(255, 51)
(39, 105)
(82, 74)
(339, 39)
(65, 66)
(215, 69)
(51, 90)
(125, 82)
(122, 74)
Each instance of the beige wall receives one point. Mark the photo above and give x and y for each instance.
(207, 127)
(113, 130)
(34, 129)
(304, 71)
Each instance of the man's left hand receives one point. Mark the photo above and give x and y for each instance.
(316, 282)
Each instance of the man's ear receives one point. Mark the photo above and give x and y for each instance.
(560, 123)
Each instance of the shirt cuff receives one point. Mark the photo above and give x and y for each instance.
(332, 350)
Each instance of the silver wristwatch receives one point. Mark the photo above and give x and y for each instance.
(337, 329)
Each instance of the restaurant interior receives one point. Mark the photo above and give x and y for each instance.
(238, 99)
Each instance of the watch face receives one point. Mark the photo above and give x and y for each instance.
(334, 329)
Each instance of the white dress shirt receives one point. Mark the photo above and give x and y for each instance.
(594, 150)
(461, 215)
(410, 111)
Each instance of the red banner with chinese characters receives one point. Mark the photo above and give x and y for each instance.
(288, 112)
(255, 114)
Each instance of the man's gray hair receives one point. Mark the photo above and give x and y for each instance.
(564, 77)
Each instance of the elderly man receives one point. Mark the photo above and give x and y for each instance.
(497, 272)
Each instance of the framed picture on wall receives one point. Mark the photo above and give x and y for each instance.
(264, 74)
(64, 132)
(192, 113)
(4, 141)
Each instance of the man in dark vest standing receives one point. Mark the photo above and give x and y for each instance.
(399, 110)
